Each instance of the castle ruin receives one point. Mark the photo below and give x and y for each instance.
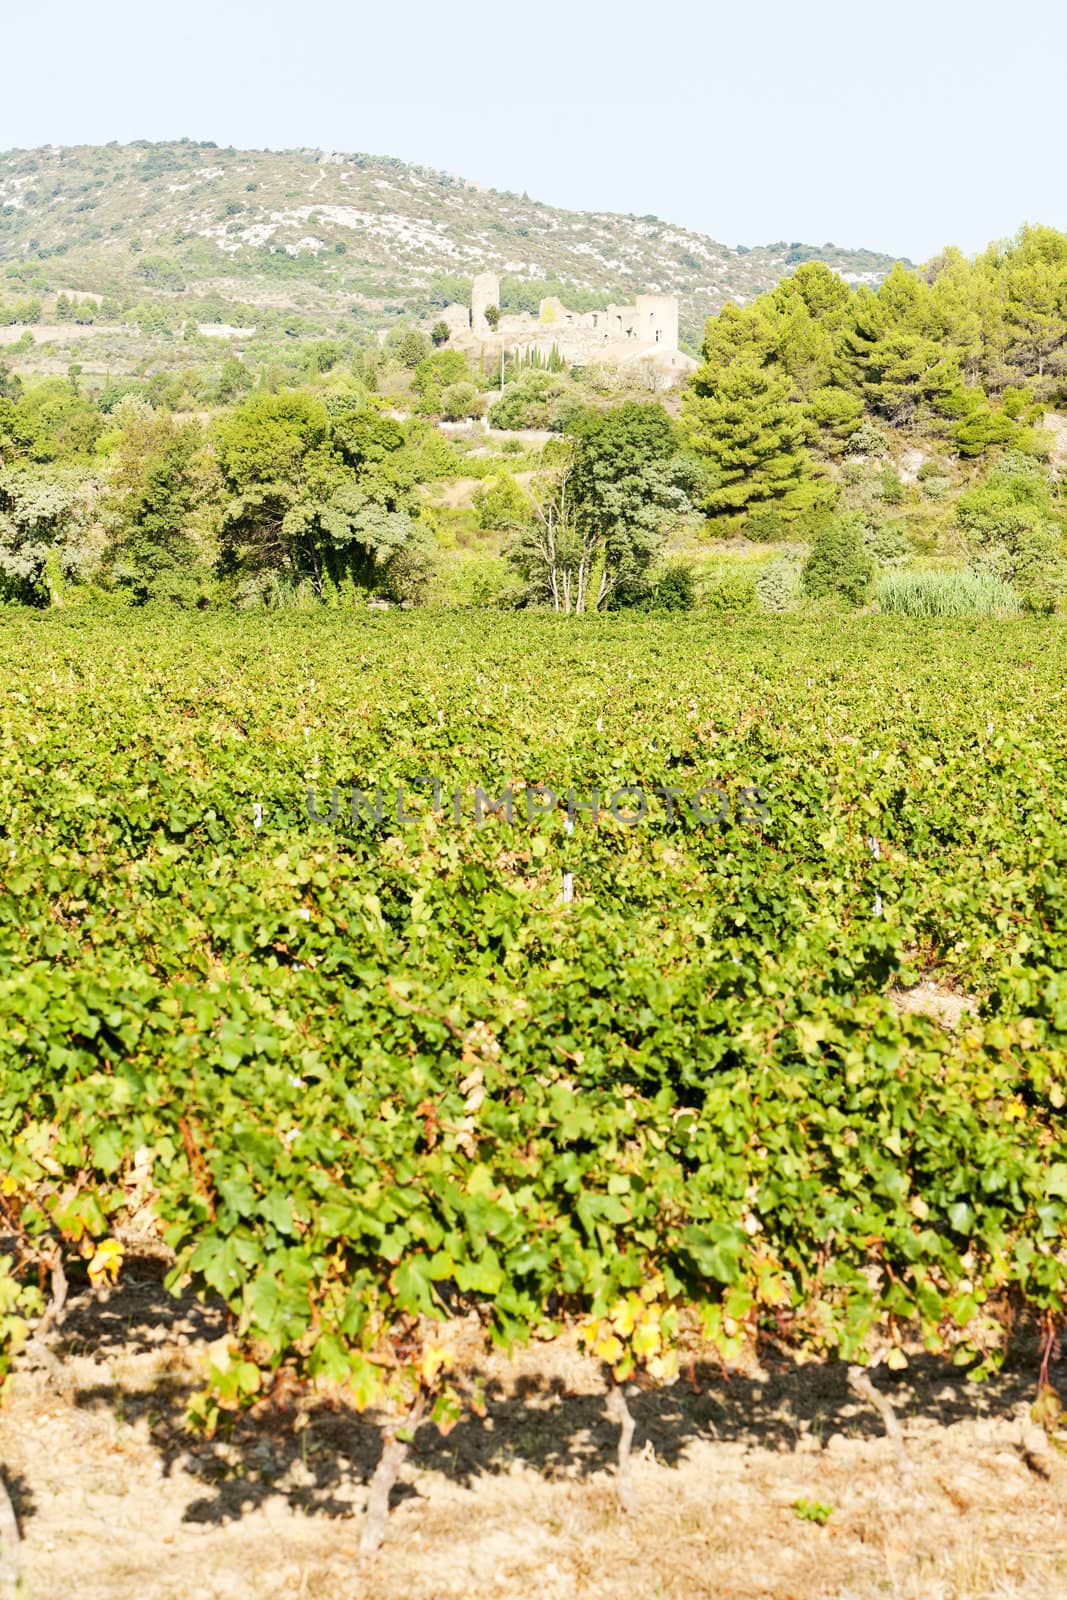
(647, 331)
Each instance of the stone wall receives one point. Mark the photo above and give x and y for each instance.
(646, 331)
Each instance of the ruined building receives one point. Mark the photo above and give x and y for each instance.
(646, 331)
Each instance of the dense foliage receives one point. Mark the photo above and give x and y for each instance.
(967, 353)
(367, 1073)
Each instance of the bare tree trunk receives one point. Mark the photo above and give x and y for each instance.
(553, 565)
(859, 1381)
(394, 1454)
(580, 603)
(9, 1545)
(619, 1412)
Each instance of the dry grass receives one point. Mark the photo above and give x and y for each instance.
(936, 1001)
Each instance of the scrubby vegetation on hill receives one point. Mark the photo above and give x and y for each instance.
(830, 437)
(132, 249)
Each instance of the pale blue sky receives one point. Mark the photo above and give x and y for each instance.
(901, 127)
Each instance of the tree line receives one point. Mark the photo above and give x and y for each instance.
(274, 490)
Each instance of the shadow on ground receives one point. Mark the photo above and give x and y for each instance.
(319, 1458)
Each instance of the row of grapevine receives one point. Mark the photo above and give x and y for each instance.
(369, 1074)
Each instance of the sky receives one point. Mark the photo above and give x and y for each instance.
(900, 127)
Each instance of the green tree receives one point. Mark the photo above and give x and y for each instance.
(411, 347)
(275, 455)
(324, 355)
(46, 515)
(377, 449)
(62, 424)
(19, 435)
(954, 313)
(840, 563)
(435, 374)
(161, 486)
(745, 425)
(1014, 529)
(459, 401)
(235, 380)
(1035, 307)
(836, 413)
(903, 376)
(318, 498)
(602, 508)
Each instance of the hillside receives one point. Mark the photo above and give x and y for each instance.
(283, 245)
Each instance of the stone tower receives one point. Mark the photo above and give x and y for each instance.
(657, 320)
(484, 292)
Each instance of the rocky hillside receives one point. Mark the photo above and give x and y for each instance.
(316, 243)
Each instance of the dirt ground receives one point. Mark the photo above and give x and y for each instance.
(117, 1502)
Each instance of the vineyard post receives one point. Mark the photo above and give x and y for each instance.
(568, 877)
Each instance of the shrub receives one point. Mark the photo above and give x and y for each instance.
(1038, 571)
(889, 487)
(765, 525)
(778, 586)
(1014, 531)
(675, 588)
(501, 504)
(982, 429)
(840, 563)
(407, 574)
(733, 594)
(885, 541)
(531, 402)
(867, 441)
(460, 401)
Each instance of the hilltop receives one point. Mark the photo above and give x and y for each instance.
(268, 246)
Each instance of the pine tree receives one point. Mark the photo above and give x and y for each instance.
(746, 425)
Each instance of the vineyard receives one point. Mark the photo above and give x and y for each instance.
(333, 963)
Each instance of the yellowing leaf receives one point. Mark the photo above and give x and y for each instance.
(218, 1354)
(105, 1263)
(624, 1317)
(434, 1358)
(608, 1349)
